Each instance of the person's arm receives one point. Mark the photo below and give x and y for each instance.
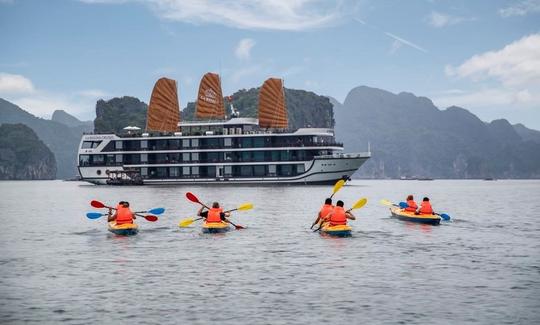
(110, 216)
(350, 216)
(224, 215)
(199, 213)
(317, 220)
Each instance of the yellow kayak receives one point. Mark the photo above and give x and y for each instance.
(401, 214)
(215, 227)
(337, 230)
(126, 229)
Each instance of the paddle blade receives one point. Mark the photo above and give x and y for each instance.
(445, 216)
(190, 196)
(238, 227)
(339, 184)
(151, 218)
(156, 211)
(386, 202)
(93, 215)
(245, 206)
(360, 203)
(97, 204)
(186, 222)
(403, 205)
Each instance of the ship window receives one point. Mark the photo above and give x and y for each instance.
(144, 171)
(258, 142)
(119, 145)
(174, 171)
(144, 157)
(212, 143)
(185, 143)
(300, 168)
(259, 170)
(246, 142)
(161, 172)
(228, 171)
(119, 158)
(195, 143)
(227, 141)
(211, 171)
(144, 144)
(258, 156)
(195, 170)
(111, 159)
(90, 144)
(84, 160)
(213, 156)
(246, 171)
(275, 155)
(161, 144)
(174, 144)
(285, 170)
(185, 170)
(246, 155)
(272, 170)
(98, 159)
(195, 156)
(228, 156)
(285, 155)
(174, 157)
(185, 156)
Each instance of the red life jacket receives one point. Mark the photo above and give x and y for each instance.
(338, 217)
(425, 208)
(214, 215)
(412, 206)
(124, 215)
(325, 210)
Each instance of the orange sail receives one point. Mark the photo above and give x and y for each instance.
(272, 110)
(210, 98)
(163, 111)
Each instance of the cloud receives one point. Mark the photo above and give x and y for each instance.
(405, 42)
(517, 64)
(522, 8)
(246, 14)
(243, 49)
(14, 84)
(439, 20)
(396, 45)
(42, 103)
(488, 97)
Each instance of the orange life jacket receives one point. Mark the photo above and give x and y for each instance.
(214, 215)
(425, 208)
(338, 217)
(325, 210)
(124, 215)
(412, 206)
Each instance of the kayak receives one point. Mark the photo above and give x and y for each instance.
(401, 214)
(337, 230)
(126, 229)
(215, 227)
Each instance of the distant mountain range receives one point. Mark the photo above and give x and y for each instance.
(408, 135)
(63, 140)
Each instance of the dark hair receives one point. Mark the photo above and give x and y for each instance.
(125, 204)
(426, 199)
(328, 201)
(410, 197)
(215, 205)
(340, 203)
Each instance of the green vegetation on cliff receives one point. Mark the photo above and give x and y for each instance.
(115, 114)
(23, 155)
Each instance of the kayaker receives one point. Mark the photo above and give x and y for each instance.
(411, 204)
(339, 216)
(215, 214)
(123, 214)
(425, 207)
(324, 211)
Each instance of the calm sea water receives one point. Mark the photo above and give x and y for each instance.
(483, 267)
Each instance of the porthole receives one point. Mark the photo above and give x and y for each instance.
(98, 172)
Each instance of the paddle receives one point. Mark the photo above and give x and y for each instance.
(188, 221)
(360, 203)
(190, 196)
(339, 184)
(444, 216)
(98, 204)
(386, 202)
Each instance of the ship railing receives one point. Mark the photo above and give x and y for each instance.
(345, 155)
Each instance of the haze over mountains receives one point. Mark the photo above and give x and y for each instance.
(409, 136)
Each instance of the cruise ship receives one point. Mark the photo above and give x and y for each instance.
(214, 149)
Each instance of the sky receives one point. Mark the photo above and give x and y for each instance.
(482, 55)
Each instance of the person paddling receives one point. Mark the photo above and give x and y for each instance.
(215, 214)
(425, 207)
(324, 211)
(411, 204)
(123, 214)
(339, 216)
